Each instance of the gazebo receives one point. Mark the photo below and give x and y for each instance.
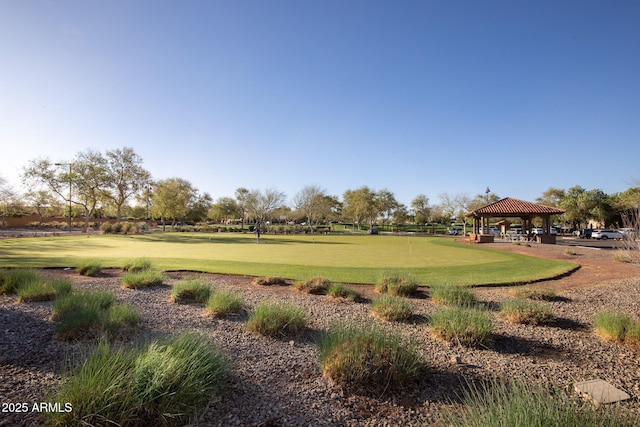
(513, 208)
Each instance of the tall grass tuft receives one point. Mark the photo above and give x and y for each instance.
(533, 292)
(397, 284)
(90, 268)
(525, 312)
(269, 281)
(367, 359)
(43, 289)
(142, 279)
(612, 326)
(314, 285)
(137, 264)
(453, 296)
(224, 303)
(166, 384)
(518, 404)
(15, 278)
(466, 326)
(337, 290)
(392, 308)
(277, 320)
(190, 290)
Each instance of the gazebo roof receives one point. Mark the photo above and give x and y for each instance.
(514, 207)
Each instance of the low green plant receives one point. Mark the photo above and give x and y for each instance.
(15, 278)
(224, 303)
(162, 383)
(90, 268)
(527, 312)
(392, 308)
(269, 281)
(397, 284)
(137, 264)
(337, 290)
(142, 279)
(120, 318)
(632, 336)
(534, 293)
(106, 228)
(611, 325)
(367, 359)
(516, 403)
(277, 320)
(453, 296)
(190, 290)
(466, 326)
(43, 289)
(315, 285)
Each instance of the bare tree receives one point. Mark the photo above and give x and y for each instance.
(311, 201)
(262, 204)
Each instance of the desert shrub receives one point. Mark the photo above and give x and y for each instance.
(90, 268)
(397, 284)
(166, 384)
(523, 311)
(117, 228)
(190, 290)
(15, 278)
(392, 308)
(315, 285)
(570, 251)
(269, 280)
(137, 264)
(367, 359)
(277, 320)
(623, 256)
(534, 293)
(106, 228)
(516, 403)
(337, 290)
(43, 289)
(224, 303)
(142, 279)
(467, 326)
(128, 228)
(612, 326)
(453, 296)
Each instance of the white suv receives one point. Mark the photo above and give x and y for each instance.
(606, 234)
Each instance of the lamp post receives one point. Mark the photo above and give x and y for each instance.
(68, 164)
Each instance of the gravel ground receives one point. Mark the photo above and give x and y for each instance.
(279, 383)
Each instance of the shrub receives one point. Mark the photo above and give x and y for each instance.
(632, 336)
(15, 278)
(392, 308)
(43, 289)
(106, 228)
(90, 268)
(570, 251)
(159, 384)
(277, 320)
(117, 228)
(224, 303)
(452, 295)
(128, 228)
(190, 290)
(523, 311)
(518, 404)
(467, 326)
(142, 279)
(397, 284)
(137, 264)
(623, 256)
(339, 291)
(268, 281)
(315, 285)
(534, 293)
(612, 326)
(367, 359)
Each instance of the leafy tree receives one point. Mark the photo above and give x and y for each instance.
(627, 204)
(6, 195)
(385, 205)
(172, 199)
(125, 177)
(551, 197)
(421, 209)
(242, 195)
(41, 201)
(359, 205)
(223, 209)
(199, 208)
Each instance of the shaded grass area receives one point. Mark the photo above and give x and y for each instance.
(353, 259)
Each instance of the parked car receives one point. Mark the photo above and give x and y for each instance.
(539, 230)
(606, 234)
(454, 231)
(373, 231)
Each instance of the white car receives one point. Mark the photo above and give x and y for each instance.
(606, 234)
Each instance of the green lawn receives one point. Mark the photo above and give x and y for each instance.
(343, 258)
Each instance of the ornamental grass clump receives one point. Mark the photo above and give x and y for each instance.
(43, 289)
(162, 383)
(367, 360)
(525, 312)
(90, 268)
(453, 296)
(190, 290)
(142, 279)
(277, 320)
(392, 308)
(534, 293)
(465, 326)
(516, 403)
(13, 279)
(397, 284)
(342, 292)
(223, 303)
(137, 264)
(315, 285)
(269, 281)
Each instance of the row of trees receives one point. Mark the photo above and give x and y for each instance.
(115, 183)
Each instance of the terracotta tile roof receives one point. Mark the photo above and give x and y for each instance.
(509, 206)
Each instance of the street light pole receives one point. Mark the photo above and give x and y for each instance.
(68, 164)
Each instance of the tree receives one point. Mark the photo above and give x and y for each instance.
(41, 201)
(421, 209)
(262, 204)
(359, 205)
(199, 208)
(224, 209)
(385, 205)
(172, 199)
(242, 194)
(6, 195)
(125, 177)
(551, 197)
(312, 202)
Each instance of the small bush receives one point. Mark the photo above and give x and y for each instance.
(314, 285)
(137, 264)
(117, 228)
(128, 228)
(166, 384)
(612, 326)
(142, 279)
(367, 360)
(277, 320)
(269, 280)
(623, 256)
(397, 285)
(224, 303)
(90, 268)
(453, 296)
(527, 312)
(339, 291)
(106, 228)
(392, 308)
(534, 293)
(570, 252)
(466, 326)
(190, 290)
(43, 289)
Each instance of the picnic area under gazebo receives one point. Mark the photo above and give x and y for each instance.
(513, 208)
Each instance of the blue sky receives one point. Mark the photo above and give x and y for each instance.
(414, 96)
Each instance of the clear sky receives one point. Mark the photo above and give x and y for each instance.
(414, 96)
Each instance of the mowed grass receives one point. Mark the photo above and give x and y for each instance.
(339, 258)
